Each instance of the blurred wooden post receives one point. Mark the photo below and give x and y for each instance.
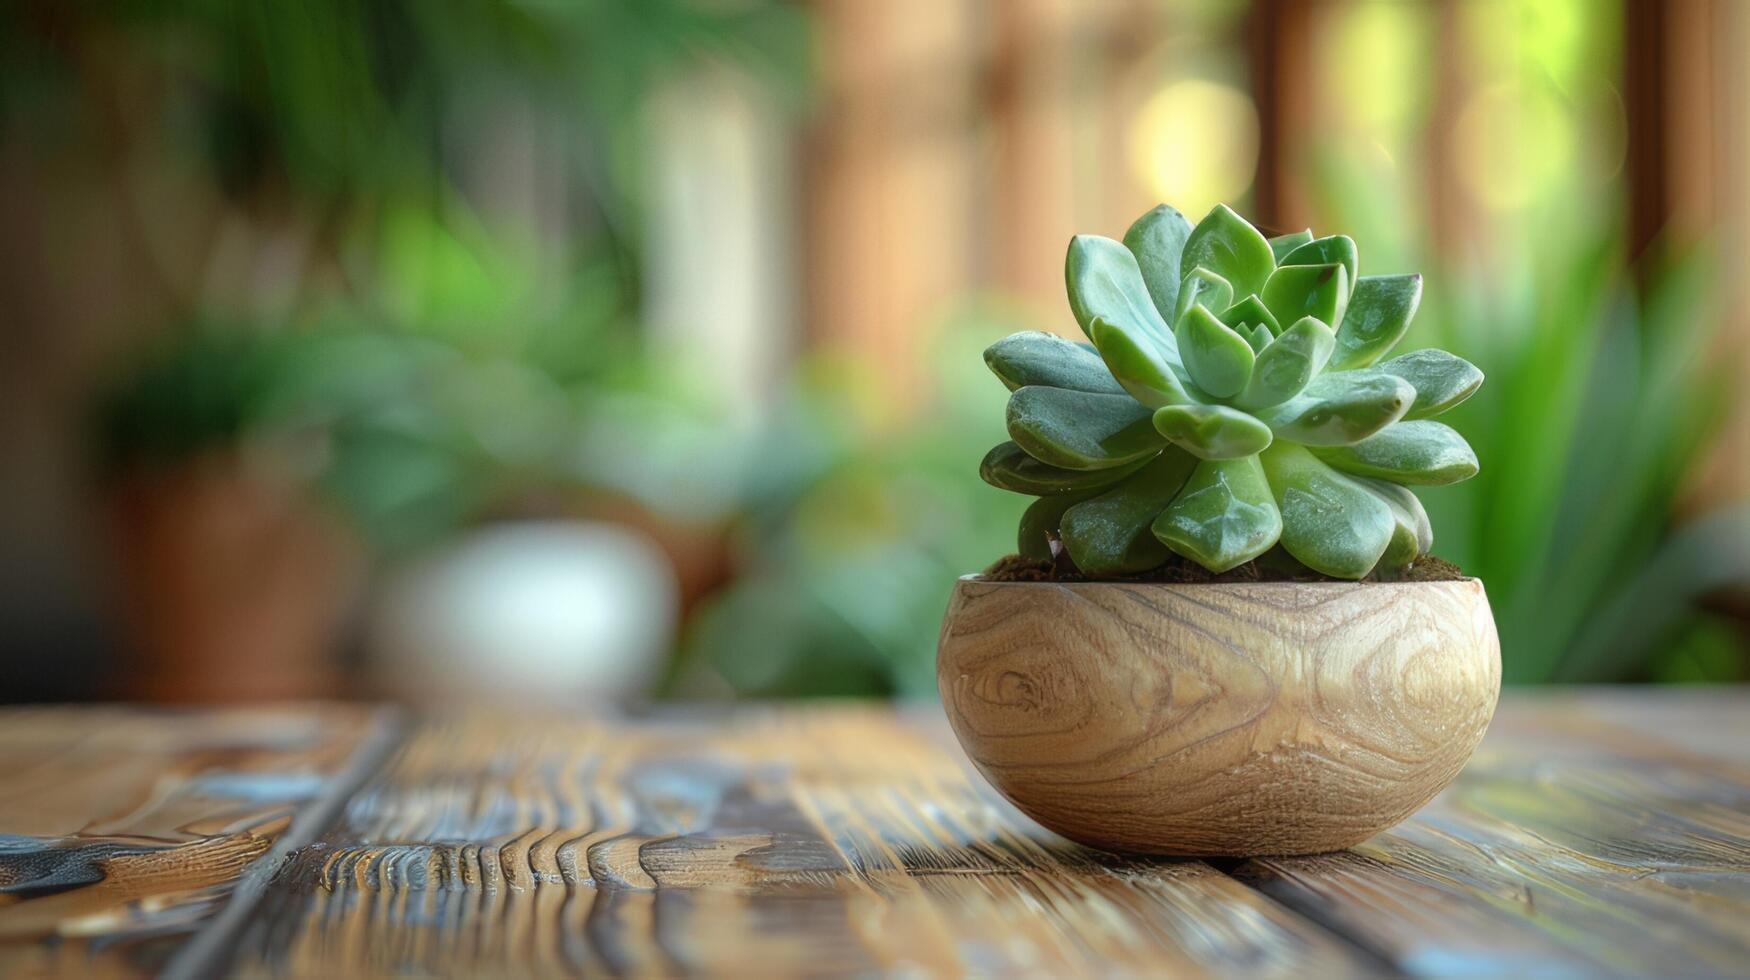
(1686, 89)
(1129, 40)
(1034, 109)
(889, 166)
(1280, 36)
(1448, 211)
(1645, 89)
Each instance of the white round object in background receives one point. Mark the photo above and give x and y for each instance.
(543, 611)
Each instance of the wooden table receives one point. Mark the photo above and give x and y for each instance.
(1594, 831)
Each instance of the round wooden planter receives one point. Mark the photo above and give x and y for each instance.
(1243, 719)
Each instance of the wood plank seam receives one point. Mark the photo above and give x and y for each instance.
(209, 952)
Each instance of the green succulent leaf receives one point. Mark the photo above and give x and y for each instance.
(1041, 520)
(1228, 245)
(1288, 363)
(1441, 380)
(1138, 365)
(1338, 249)
(1319, 291)
(1202, 288)
(1225, 515)
(1081, 429)
(1157, 239)
(1422, 452)
(1330, 523)
(1251, 310)
(1038, 358)
(1401, 550)
(1234, 404)
(1220, 361)
(1414, 535)
(1340, 408)
(1281, 245)
(1110, 534)
(1212, 431)
(1008, 467)
(1379, 312)
(1104, 281)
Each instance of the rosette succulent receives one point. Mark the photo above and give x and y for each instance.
(1234, 398)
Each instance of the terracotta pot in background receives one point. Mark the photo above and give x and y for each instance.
(233, 582)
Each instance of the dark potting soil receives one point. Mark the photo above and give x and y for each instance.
(1272, 567)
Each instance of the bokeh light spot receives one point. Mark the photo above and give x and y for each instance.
(1195, 144)
(1513, 143)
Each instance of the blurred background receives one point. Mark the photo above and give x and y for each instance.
(380, 348)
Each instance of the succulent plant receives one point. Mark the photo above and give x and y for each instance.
(1233, 398)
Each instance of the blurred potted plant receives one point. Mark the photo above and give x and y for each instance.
(1223, 633)
(250, 472)
(232, 578)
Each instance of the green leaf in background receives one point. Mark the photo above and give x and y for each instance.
(1008, 467)
(1034, 357)
(1337, 409)
(1601, 408)
(1330, 523)
(1441, 380)
(1318, 291)
(1379, 312)
(1138, 365)
(1081, 429)
(1332, 249)
(1220, 361)
(1212, 431)
(1225, 515)
(1288, 363)
(1110, 534)
(1421, 452)
(1227, 245)
(1157, 240)
(1104, 281)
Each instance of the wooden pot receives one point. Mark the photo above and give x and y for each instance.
(1238, 719)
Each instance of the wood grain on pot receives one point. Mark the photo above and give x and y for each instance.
(1219, 719)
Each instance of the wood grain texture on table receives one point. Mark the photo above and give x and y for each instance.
(826, 839)
(123, 831)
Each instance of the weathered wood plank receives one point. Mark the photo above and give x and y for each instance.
(1570, 844)
(123, 832)
(1707, 721)
(794, 841)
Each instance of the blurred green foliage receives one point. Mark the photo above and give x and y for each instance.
(1601, 404)
(439, 355)
(851, 533)
(443, 357)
